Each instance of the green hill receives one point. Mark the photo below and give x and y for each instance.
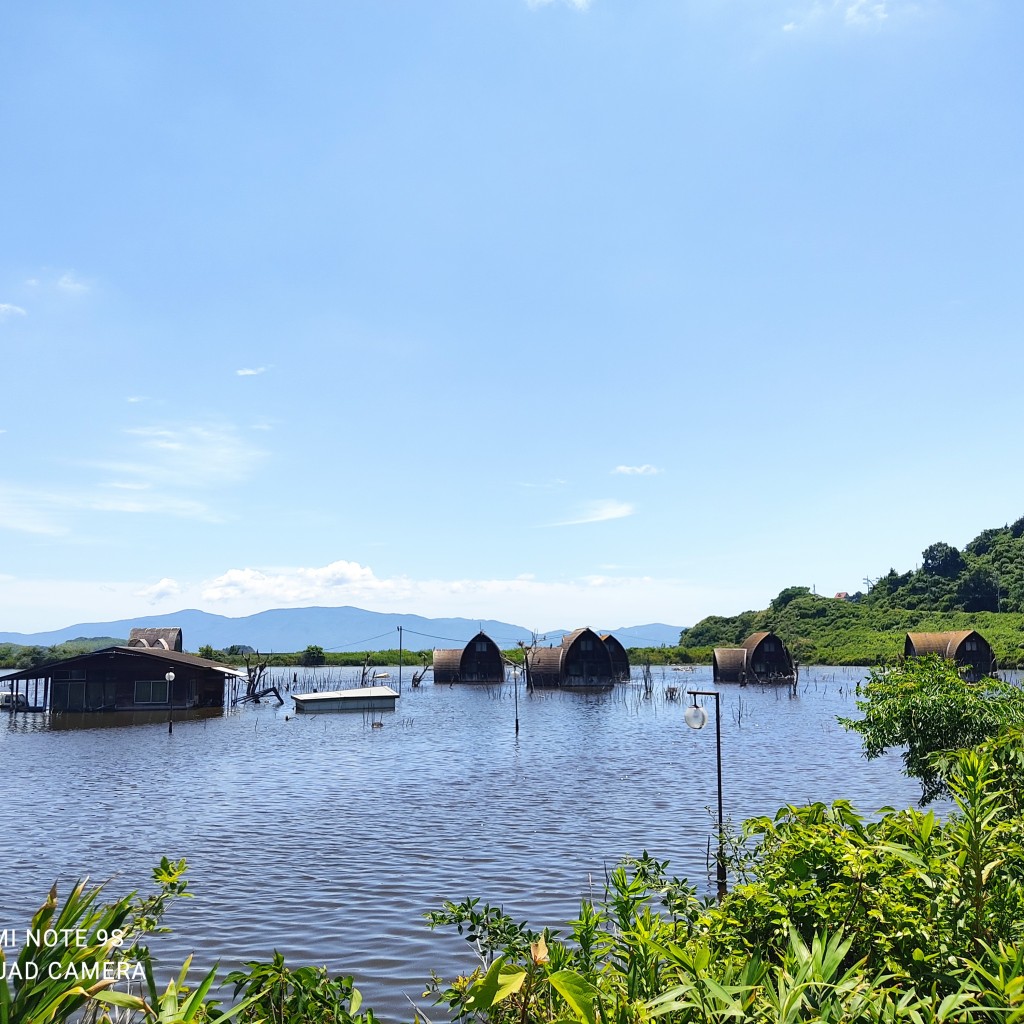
(981, 587)
(829, 631)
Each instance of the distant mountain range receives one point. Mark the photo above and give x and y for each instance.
(334, 629)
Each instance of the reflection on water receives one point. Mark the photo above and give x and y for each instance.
(329, 836)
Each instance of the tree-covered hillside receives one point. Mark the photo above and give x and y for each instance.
(981, 587)
(987, 576)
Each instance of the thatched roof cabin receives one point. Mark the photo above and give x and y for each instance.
(166, 638)
(968, 649)
(480, 661)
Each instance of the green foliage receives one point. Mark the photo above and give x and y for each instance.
(75, 953)
(312, 655)
(207, 651)
(926, 707)
(835, 918)
(988, 575)
(275, 992)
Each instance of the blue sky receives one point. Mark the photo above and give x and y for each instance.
(557, 312)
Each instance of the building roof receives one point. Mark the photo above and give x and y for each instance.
(158, 654)
(945, 645)
(731, 660)
(167, 638)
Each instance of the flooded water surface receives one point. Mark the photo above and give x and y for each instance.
(328, 837)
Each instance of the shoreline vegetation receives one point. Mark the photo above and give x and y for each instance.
(829, 916)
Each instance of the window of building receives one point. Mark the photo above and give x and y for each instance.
(150, 691)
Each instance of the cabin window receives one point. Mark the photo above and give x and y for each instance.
(481, 645)
(586, 645)
(150, 691)
(69, 674)
(971, 645)
(769, 646)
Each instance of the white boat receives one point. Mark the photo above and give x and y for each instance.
(362, 698)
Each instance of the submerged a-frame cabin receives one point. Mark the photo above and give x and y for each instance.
(480, 661)
(581, 660)
(968, 649)
(619, 656)
(761, 658)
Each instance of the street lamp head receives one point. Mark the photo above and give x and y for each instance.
(169, 677)
(695, 716)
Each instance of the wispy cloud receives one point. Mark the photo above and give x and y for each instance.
(864, 11)
(174, 471)
(644, 470)
(580, 5)
(599, 512)
(251, 372)
(8, 310)
(189, 457)
(71, 284)
(543, 485)
(852, 13)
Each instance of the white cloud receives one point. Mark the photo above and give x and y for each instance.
(863, 11)
(251, 373)
(293, 586)
(580, 5)
(159, 591)
(599, 512)
(524, 599)
(9, 310)
(135, 399)
(70, 283)
(854, 13)
(28, 605)
(644, 470)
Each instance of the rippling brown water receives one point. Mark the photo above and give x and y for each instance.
(328, 839)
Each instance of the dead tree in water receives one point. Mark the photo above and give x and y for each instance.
(417, 677)
(255, 669)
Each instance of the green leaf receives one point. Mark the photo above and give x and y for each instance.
(579, 993)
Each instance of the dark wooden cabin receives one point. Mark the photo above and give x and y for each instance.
(480, 661)
(761, 658)
(968, 649)
(123, 679)
(581, 660)
(619, 656)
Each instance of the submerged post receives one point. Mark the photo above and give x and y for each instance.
(399, 661)
(696, 718)
(170, 702)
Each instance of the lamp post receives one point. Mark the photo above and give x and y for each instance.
(170, 702)
(696, 718)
